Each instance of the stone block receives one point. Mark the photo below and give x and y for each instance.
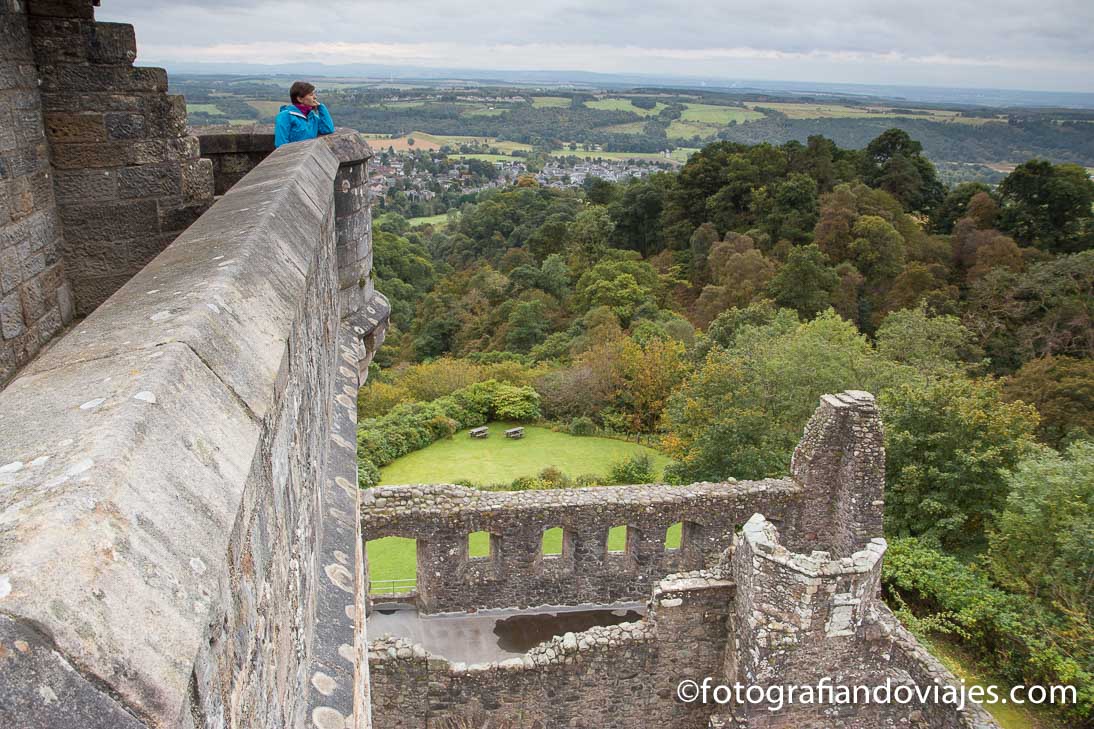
(197, 181)
(83, 186)
(50, 324)
(101, 155)
(115, 79)
(165, 115)
(8, 365)
(156, 180)
(89, 259)
(63, 127)
(124, 125)
(12, 323)
(90, 293)
(65, 302)
(108, 221)
(142, 250)
(61, 8)
(35, 300)
(111, 43)
(7, 131)
(32, 261)
(175, 218)
(10, 270)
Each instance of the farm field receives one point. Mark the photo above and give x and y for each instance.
(266, 108)
(207, 108)
(546, 102)
(624, 105)
(719, 115)
(498, 459)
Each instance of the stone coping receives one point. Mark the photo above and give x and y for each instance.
(449, 500)
(125, 448)
(347, 145)
(763, 537)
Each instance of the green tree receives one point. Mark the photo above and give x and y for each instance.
(934, 345)
(805, 282)
(527, 326)
(1043, 543)
(955, 206)
(1062, 390)
(948, 443)
(742, 413)
(894, 162)
(1049, 206)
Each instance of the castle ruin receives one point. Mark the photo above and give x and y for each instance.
(182, 538)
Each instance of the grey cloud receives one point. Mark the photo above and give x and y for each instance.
(1042, 36)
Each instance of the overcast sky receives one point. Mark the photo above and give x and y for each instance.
(1015, 44)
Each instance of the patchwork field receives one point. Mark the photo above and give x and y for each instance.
(206, 108)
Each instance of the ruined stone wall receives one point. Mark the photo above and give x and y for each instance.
(178, 511)
(127, 177)
(840, 463)
(35, 298)
(618, 677)
(518, 574)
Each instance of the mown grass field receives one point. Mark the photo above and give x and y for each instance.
(498, 459)
(718, 115)
(624, 105)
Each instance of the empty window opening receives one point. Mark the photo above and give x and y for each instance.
(617, 539)
(392, 565)
(673, 535)
(480, 544)
(552, 542)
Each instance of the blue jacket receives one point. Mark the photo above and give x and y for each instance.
(292, 126)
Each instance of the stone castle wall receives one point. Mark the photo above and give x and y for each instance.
(760, 613)
(35, 297)
(178, 517)
(128, 178)
(518, 574)
(617, 677)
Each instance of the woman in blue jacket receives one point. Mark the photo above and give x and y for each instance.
(304, 118)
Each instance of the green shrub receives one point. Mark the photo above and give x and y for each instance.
(368, 475)
(1020, 638)
(515, 403)
(582, 426)
(636, 469)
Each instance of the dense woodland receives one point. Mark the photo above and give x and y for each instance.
(705, 311)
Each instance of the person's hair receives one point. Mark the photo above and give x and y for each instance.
(300, 89)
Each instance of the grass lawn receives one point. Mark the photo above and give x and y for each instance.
(545, 102)
(711, 114)
(964, 666)
(499, 460)
(624, 105)
(433, 220)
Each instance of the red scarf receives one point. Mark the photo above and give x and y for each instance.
(305, 110)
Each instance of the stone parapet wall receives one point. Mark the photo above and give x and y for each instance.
(518, 574)
(840, 463)
(177, 480)
(608, 677)
(35, 297)
(127, 176)
(234, 150)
